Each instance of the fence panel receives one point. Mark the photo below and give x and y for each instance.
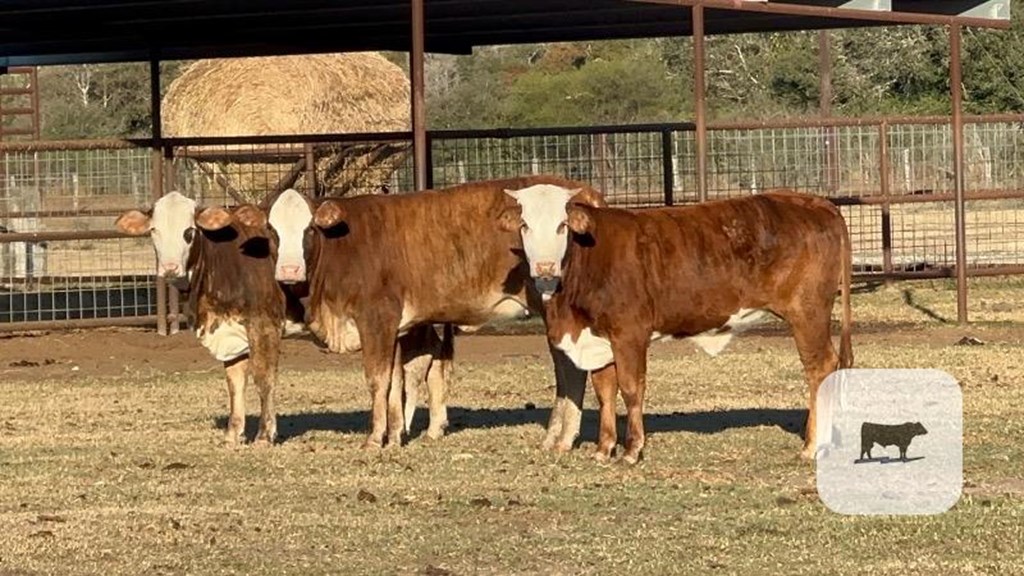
(892, 178)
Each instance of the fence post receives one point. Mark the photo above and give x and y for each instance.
(667, 169)
(959, 184)
(311, 170)
(429, 150)
(173, 295)
(157, 182)
(699, 102)
(883, 183)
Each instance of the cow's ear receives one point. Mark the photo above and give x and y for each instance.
(579, 221)
(511, 219)
(134, 222)
(588, 197)
(329, 214)
(514, 194)
(251, 216)
(213, 218)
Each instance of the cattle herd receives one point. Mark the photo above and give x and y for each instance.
(380, 273)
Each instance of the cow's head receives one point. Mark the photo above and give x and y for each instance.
(544, 218)
(246, 220)
(919, 429)
(171, 225)
(291, 219)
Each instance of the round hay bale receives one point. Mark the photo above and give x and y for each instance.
(282, 95)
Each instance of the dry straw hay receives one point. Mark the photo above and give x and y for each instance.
(282, 95)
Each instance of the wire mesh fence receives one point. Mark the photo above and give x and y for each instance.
(893, 179)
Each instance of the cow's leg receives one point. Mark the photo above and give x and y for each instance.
(265, 349)
(812, 332)
(439, 377)
(379, 337)
(570, 386)
(423, 356)
(605, 385)
(396, 411)
(236, 371)
(631, 368)
(437, 388)
(415, 373)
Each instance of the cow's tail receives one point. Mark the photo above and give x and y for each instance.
(845, 345)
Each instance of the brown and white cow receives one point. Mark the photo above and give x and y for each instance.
(704, 272)
(378, 266)
(224, 259)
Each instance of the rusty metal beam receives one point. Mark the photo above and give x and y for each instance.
(699, 104)
(61, 236)
(881, 200)
(803, 10)
(419, 115)
(955, 83)
(157, 180)
(81, 323)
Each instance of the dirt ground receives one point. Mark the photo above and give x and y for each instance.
(107, 352)
(111, 461)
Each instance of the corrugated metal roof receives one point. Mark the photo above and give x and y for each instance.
(72, 31)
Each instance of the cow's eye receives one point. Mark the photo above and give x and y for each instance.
(189, 234)
(561, 228)
(307, 240)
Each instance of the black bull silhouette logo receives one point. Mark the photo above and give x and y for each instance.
(899, 435)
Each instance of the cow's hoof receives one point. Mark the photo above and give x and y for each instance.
(435, 433)
(631, 457)
(263, 441)
(394, 438)
(601, 456)
(372, 443)
(549, 443)
(562, 446)
(807, 453)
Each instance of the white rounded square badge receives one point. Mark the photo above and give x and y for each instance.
(889, 441)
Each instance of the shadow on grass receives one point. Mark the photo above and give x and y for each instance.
(908, 299)
(358, 421)
(886, 460)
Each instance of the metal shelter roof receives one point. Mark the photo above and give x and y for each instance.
(34, 32)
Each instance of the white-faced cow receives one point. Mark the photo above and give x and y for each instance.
(225, 261)
(625, 278)
(378, 266)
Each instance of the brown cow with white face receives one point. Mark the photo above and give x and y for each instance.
(378, 266)
(224, 259)
(701, 272)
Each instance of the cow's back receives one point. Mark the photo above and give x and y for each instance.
(689, 269)
(440, 252)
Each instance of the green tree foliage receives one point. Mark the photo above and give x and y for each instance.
(994, 67)
(620, 84)
(94, 100)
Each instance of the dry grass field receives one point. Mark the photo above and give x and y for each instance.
(111, 462)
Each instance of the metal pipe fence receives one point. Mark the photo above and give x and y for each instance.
(892, 177)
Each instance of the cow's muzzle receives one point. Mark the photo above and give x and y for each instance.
(546, 286)
(290, 274)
